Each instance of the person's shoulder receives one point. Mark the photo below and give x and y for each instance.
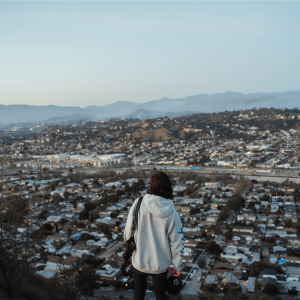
(174, 214)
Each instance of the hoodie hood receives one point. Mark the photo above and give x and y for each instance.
(158, 206)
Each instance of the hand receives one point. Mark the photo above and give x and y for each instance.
(176, 273)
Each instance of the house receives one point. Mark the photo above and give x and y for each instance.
(109, 274)
(233, 256)
(53, 218)
(292, 285)
(250, 284)
(294, 241)
(188, 243)
(268, 280)
(116, 184)
(242, 229)
(246, 217)
(55, 238)
(293, 268)
(183, 209)
(179, 188)
(268, 273)
(212, 218)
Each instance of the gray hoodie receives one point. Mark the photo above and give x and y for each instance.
(159, 236)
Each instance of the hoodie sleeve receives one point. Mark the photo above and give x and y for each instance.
(130, 219)
(176, 240)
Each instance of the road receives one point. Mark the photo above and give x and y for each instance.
(277, 175)
(193, 285)
(111, 250)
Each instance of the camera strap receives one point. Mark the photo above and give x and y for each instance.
(135, 223)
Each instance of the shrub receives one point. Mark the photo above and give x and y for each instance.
(293, 292)
(271, 289)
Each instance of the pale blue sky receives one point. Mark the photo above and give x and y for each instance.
(96, 53)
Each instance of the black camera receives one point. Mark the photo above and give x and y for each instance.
(129, 247)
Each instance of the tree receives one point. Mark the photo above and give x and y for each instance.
(201, 264)
(259, 295)
(189, 190)
(233, 291)
(292, 292)
(86, 281)
(270, 240)
(4, 165)
(256, 267)
(206, 296)
(239, 187)
(56, 198)
(113, 215)
(92, 217)
(277, 220)
(88, 205)
(66, 195)
(211, 288)
(228, 235)
(235, 202)
(213, 248)
(85, 187)
(175, 297)
(219, 279)
(288, 223)
(52, 186)
(270, 289)
(84, 215)
(47, 227)
(17, 279)
(224, 213)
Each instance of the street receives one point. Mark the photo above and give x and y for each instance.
(111, 250)
(193, 285)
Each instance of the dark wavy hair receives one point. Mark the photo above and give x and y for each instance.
(160, 185)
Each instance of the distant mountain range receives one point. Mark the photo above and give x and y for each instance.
(201, 103)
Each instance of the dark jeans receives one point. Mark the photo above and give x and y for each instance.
(140, 281)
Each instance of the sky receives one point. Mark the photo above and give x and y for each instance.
(97, 53)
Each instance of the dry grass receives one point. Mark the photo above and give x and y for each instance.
(161, 134)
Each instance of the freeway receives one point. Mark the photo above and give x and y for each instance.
(279, 175)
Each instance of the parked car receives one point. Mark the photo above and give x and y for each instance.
(191, 276)
(199, 279)
(194, 271)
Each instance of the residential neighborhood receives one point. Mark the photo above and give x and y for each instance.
(66, 192)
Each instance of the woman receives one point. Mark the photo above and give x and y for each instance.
(158, 237)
